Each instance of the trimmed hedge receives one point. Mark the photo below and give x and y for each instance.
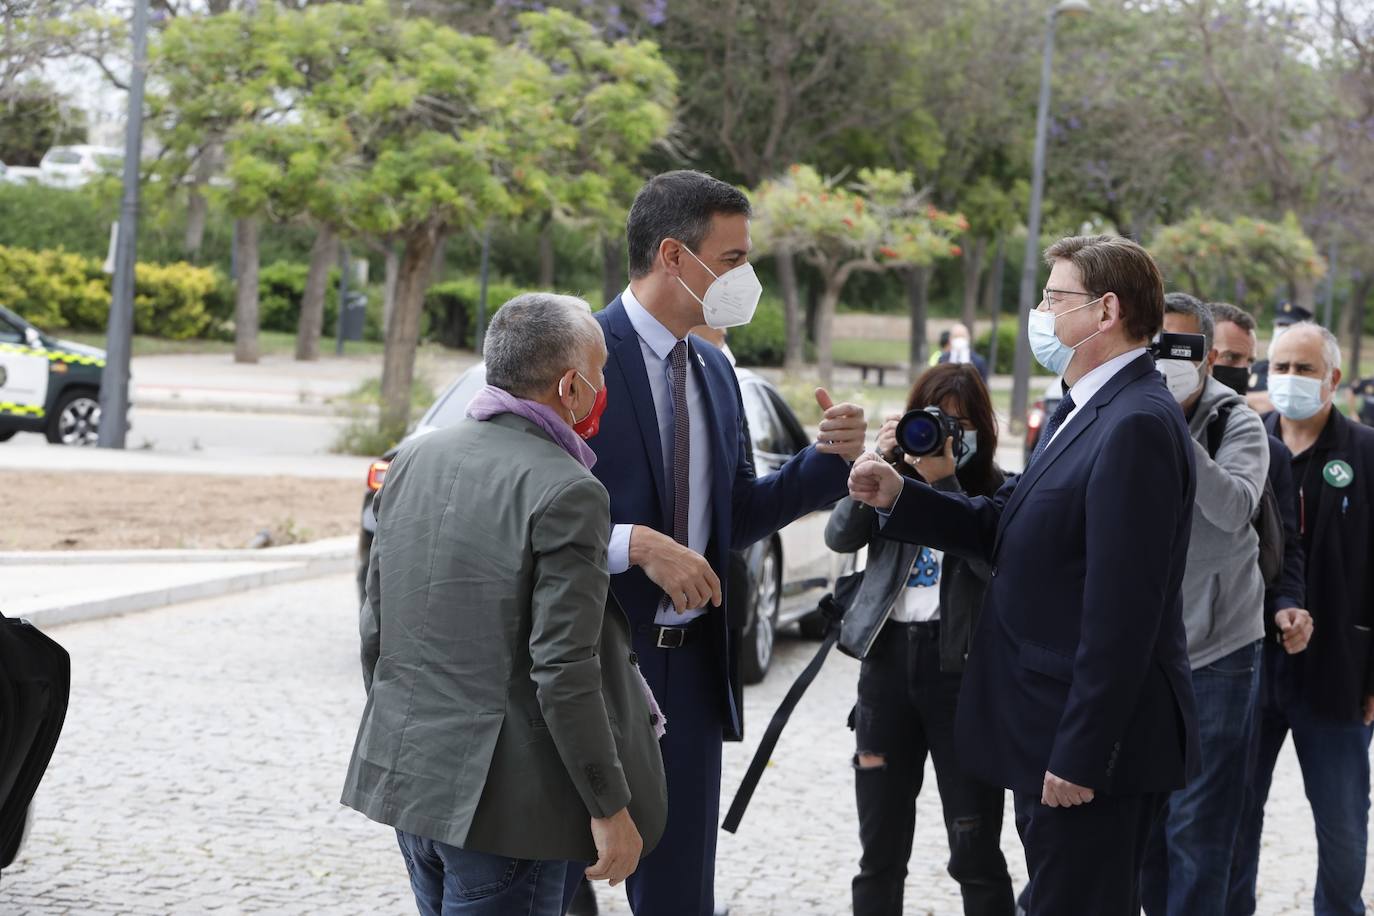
(451, 309)
(56, 290)
(763, 341)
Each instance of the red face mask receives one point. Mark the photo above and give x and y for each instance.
(589, 425)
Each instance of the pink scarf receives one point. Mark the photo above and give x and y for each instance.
(491, 401)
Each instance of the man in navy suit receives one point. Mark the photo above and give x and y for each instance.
(673, 453)
(1077, 694)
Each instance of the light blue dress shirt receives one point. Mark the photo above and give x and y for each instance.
(656, 343)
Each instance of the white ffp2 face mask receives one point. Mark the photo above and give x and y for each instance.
(1182, 377)
(732, 296)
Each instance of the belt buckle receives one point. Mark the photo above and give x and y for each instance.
(674, 643)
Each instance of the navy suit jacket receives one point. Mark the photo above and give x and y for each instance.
(744, 508)
(1079, 665)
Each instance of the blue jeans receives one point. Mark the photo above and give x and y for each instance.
(1334, 757)
(1188, 862)
(449, 881)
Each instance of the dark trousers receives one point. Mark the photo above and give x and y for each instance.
(1188, 862)
(1334, 757)
(678, 877)
(906, 711)
(448, 881)
(1086, 859)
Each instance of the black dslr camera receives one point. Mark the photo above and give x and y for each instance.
(924, 431)
(1191, 347)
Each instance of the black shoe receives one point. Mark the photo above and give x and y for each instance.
(584, 901)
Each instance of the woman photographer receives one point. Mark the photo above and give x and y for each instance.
(911, 623)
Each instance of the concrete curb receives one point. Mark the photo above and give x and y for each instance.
(312, 551)
(161, 597)
(329, 410)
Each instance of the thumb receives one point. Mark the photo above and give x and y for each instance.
(823, 398)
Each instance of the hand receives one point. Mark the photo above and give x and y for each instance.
(1369, 710)
(618, 847)
(887, 437)
(935, 467)
(842, 428)
(874, 482)
(1296, 626)
(1060, 793)
(684, 575)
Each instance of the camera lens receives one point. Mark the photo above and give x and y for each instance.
(919, 433)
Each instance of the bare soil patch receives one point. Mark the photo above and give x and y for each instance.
(108, 511)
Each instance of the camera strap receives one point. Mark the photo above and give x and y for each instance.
(833, 610)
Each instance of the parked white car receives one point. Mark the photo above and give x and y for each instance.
(73, 166)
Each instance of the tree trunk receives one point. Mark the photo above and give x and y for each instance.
(1305, 293)
(323, 254)
(917, 283)
(612, 268)
(825, 326)
(546, 254)
(403, 334)
(1359, 297)
(813, 301)
(436, 260)
(197, 207)
(392, 268)
(795, 353)
(992, 300)
(246, 291)
(973, 274)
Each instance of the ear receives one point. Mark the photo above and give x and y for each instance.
(1335, 379)
(670, 252)
(564, 389)
(1112, 310)
(1212, 358)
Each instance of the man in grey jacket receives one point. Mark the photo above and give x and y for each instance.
(507, 730)
(1187, 867)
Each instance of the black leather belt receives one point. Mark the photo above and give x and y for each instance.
(672, 637)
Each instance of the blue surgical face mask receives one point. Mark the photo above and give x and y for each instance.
(970, 448)
(1296, 397)
(1049, 350)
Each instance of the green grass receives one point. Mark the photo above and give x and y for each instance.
(270, 343)
(878, 352)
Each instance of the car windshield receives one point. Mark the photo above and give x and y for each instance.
(453, 404)
(62, 157)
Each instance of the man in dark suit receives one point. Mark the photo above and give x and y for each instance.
(674, 455)
(1077, 694)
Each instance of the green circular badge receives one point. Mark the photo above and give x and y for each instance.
(1339, 474)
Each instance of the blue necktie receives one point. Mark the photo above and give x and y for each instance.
(1062, 410)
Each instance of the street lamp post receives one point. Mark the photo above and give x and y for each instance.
(114, 384)
(1031, 266)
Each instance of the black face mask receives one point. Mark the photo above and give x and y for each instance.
(1236, 378)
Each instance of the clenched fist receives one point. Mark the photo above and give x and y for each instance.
(874, 482)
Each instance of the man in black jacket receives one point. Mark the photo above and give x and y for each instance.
(1324, 696)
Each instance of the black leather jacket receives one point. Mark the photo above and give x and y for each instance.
(854, 525)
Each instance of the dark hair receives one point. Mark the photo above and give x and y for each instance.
(1225, 311)
(677, 205)
(962, 382)
(1112, 264)
(1192, 306)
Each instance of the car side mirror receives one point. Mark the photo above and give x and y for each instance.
(32, 338)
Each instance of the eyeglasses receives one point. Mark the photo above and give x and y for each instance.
(1052, 297)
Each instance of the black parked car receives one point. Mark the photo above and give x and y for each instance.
(776, 582)
(47, 385)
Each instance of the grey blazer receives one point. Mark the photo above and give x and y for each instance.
(854, 525)
(504, 707)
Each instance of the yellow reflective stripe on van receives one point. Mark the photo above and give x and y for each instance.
(20, 410)
(56, 356)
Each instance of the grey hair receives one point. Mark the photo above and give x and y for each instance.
(1331, 347)
(535, 338)
(1184, 304)
(1225, 311)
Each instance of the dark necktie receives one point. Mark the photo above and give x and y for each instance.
(682, 451)
(1061, 410)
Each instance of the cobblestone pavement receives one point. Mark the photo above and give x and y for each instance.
(206, 745)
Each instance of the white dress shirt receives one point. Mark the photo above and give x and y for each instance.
(1089, 385)
(656, 343)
